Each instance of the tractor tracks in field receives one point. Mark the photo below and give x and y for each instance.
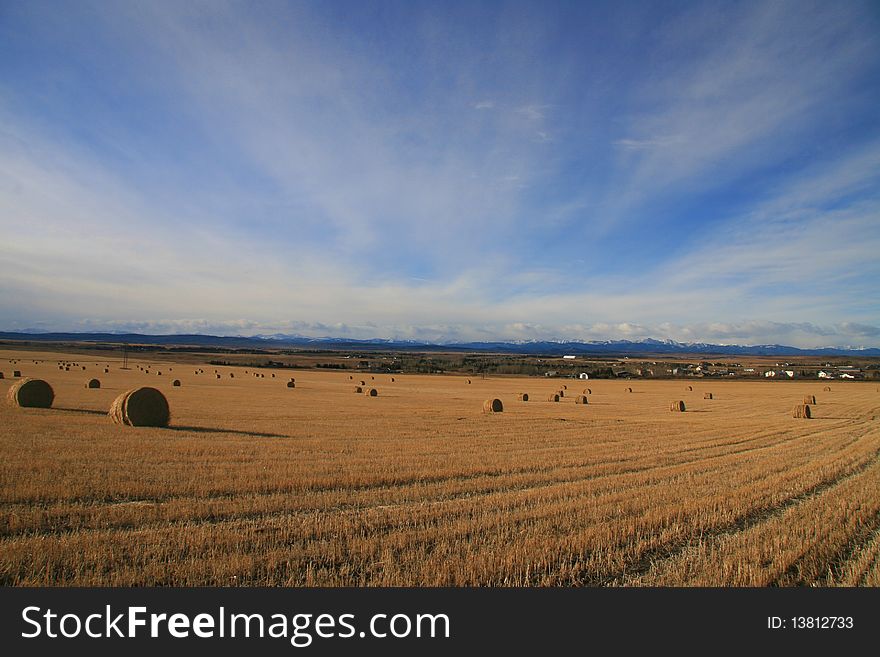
(670, 551)
(493, 487)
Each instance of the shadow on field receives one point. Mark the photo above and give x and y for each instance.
(79, 410)
(256, 434)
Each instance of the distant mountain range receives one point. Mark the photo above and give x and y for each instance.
(526, 347)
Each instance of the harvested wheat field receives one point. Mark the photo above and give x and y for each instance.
(257, 484)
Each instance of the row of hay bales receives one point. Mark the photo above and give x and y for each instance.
(140, 407)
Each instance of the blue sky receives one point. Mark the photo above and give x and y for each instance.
(443, 170)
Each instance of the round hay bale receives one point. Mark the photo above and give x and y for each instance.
(218, 376)
(273, 375)
(159, 373)
(93, 383)
(66, 369)
(554, 397)
(708, 395)
(363, 383)
(628, 389)
(231, 375)
(106, 370)
(84, 367)
(292, 380)
(561, 393)
(372, 378)
(581, 399)
(350, 377)
(690, 388)
(371, 392)
(31, 393)
(468, 381)
(801, 410)
(493, 406)
(392, 379)
(523, 396)
(176, 383)
(291, 384)
(2, 376)
(358, 389)
(16, 374)
(826, 389)
(809, 399)
(564, 387)
(141, 407)
(677, 406)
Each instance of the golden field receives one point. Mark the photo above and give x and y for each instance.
(259, 484)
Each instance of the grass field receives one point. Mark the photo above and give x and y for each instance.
(259, 484)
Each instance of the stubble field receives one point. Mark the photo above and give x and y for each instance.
(259, 484)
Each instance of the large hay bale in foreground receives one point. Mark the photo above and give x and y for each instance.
(141, 407)
(291, 384)
(371, 392)
(581, 399)
(493, 406)
(176, 383)
(826, 389)
(801, 410)
(523, 396)
(708, 395)
(31, 393)
(554, 397)
(677, 406)
(93, 383)
(809, 399)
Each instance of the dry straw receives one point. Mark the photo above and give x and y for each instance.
(523, 396)
(371, 392)
(826, 389)
(554, 397)
(493, 406)
(581, 399)
(356, 389)
(801, 410)
(588, 391)
(176, 383)
(708, 395)
(677, 406)
(31, 393)
(93, 383)
(291, 384)
(561, 393)
(628, 389)
(141, 407)
(690, 388)
(809, 399)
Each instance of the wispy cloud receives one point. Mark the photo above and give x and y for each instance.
(180, 162)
